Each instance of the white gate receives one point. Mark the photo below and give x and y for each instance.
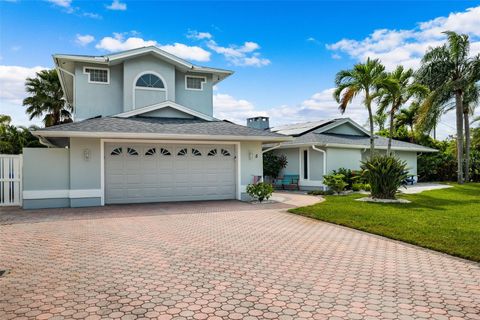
(10, 180)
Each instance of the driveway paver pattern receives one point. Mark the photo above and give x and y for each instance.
(230, 264)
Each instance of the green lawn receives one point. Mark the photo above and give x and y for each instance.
(446, 220)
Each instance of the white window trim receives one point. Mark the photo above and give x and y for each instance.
(198, 77)
(145, 88)
(96, 82)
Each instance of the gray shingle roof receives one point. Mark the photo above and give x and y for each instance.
(351, 140)
(160, 126)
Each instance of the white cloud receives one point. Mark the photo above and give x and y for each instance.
(12, 91)
(226, 107)
(117, 5)
(319, 106)
(194, 34)
(406, 47)
(187, 52)
(61, 3)
(244, 55)
(84, 40)
(119, 43)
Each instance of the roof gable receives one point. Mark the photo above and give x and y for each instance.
(346, 128)
(148, 110)
(341, 126)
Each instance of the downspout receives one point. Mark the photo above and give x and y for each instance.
(324, 158)
(272, 148)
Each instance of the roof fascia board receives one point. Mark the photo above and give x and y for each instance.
(132, 135)
(354, 146)
(162, 105)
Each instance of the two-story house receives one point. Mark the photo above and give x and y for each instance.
(143, 131)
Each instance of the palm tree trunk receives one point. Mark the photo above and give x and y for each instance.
(370, 119)
(459, 118)
(390, 133)
(466, 122)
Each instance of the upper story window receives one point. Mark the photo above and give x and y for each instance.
(97, 75)
(194, 82)
(149, 80)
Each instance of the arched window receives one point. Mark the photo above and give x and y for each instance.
(149, 80)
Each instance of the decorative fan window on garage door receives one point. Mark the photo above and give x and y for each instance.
(149, 80)
(212, 153)
(165, 152)
(132, 152)
(116, 152)
(225, 153)
(182, 152)
(151, 152)
(196, 152)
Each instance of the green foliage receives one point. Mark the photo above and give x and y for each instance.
(366, 187)
(14, 139)
(272, 164)
(385, 175)
(446, 220)
(438, 166)
(328, 192)
(357, 186)
(350, 176)
(335, 182)
(260, 191)
(46, 100)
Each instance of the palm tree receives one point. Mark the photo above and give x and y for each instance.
(449, 70)
(363, 78)
(471, 99)
(379, 120)
(46, 99)
(395, 91)
(407, 117)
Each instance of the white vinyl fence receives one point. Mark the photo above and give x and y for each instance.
(10, 180)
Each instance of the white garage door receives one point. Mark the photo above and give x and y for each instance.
(166, 172)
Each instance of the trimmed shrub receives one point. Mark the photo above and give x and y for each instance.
(366, 187)
(260, 191)
(357, 186)
(328, 192)
(335, 182)
(385, 175)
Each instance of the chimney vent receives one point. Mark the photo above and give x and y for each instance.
(261, 123)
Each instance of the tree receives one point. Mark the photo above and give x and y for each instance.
(46, 99)
(471, 98)
(449, 70)
(379, 120)
(363, 78)
(395, 91)
(13, 139)
(407, 117)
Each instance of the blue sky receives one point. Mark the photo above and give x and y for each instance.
(284, 54)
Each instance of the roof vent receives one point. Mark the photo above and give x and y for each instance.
(261, 123)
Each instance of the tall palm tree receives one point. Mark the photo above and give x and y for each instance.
(363, 78)
(471, 99)
(395, 91)
(46, 99)
(450, 69)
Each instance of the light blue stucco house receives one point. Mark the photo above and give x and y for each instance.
(143, 131)
(320, 147)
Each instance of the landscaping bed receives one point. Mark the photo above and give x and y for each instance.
(446, 220)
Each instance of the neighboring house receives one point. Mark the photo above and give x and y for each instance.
(143, 131)
(322, 146)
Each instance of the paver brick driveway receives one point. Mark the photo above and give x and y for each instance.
(231, 261)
